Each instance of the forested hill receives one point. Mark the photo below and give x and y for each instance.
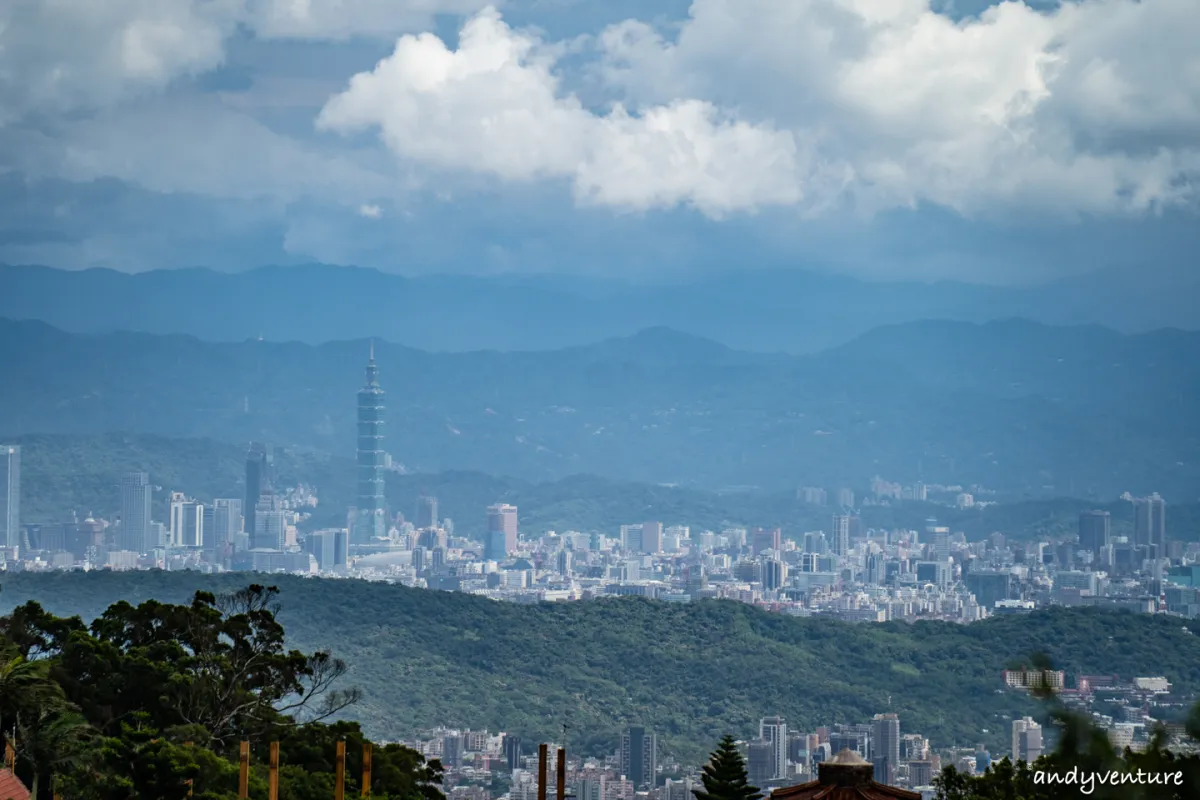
(691, 671)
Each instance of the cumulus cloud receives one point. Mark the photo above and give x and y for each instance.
(1012, 107)
(62, 55)
(494, 105)
(370, 211)
(1093, 107)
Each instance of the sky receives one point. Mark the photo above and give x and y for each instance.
(907, 139)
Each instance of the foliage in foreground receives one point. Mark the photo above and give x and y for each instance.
(724, 777)
(1085, 764)
(152, 700)
(425, 658)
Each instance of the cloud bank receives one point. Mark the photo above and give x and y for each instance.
(819, 109)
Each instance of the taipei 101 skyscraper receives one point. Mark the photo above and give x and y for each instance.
(369, 520)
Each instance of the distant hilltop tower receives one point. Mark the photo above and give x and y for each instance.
(370, 514)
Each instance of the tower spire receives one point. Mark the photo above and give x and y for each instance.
(372, 349)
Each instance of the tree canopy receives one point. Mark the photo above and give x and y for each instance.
(152, 701)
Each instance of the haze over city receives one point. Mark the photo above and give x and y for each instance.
(550, 399)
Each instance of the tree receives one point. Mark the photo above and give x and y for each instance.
(724, 776)
(51, 740)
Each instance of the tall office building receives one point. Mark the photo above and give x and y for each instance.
(1150, 523)
(260, 478)
(222, 521)
(329, 548)
(370, 512)
(135, 533)
(503, 517)
(873, 573)
(494, 548)
(1095, 532)
(10, 495)
(772, 574)
(652, 537)
(270, 523)
(766, 539)
(639, 757)
(885, 735)
(773, 730)
(427, 512)
(1026, 740)
(841, 534)
(187, 522)
(633, 538)
(760, 764)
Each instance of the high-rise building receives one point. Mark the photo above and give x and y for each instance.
(1095, 532)
(370, 511)
(760, 763)
(885, 735)
(841, 534)
(1026, 740)
(503, 517)
(270, 523)
(494, 548)
(512, 751)
(1150, 523)
(652, 537)
(260, 478)
(10, 495)
(187, 521)
(845, 498)
(772, 574)
(135, 533)
(633, 538)
(222, 521)
(328, 547)
(766, 539)
(427, 512)
(873, 574)
(774, 731)
(639, 757)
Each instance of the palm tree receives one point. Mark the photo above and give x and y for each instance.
(51, 740)
(23, 685)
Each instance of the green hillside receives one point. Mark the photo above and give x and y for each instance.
(692, 672)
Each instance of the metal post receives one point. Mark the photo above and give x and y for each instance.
(561, 787)
(273, 773)
(543, 756)
(244, 775)
(366, 780)
(339, 786)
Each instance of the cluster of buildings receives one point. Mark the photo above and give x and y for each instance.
(844, 571)
(481, 765)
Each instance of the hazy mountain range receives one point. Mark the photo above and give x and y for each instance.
(1017, 406)
(769, 311)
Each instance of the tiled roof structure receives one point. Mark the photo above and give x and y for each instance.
(847, 776)
(11, 788)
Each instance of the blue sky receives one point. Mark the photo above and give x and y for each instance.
(1003, 143)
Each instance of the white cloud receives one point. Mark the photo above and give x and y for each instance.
(1013, 108)
(1093, 108)
(342, 19)
(495, 106)
(58, 56)
(370, 211)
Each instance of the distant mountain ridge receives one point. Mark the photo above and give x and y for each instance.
(764, 311)
(1016, 406)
